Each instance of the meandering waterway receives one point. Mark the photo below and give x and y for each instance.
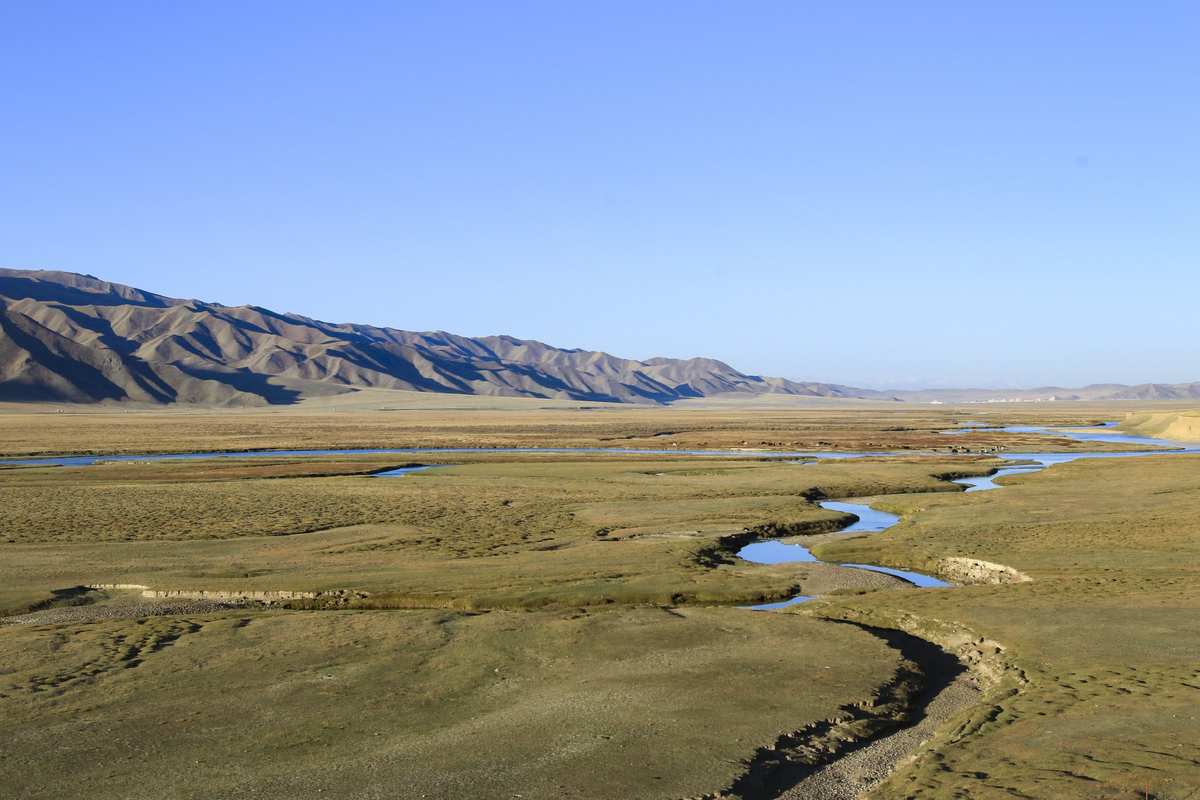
(769, 551)
(879, 756)
(872, 520)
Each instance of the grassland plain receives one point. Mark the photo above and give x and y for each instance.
(617, 703)
(492, 532)
(401, 419)
(1102, 695)
(592, 573)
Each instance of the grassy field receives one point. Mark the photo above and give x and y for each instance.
(492, 533)
(551, 626)
(625, 703)
(1106, 635)
(439, 421)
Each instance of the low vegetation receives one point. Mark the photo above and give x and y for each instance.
(486, 534)
(533, 624)
(423, 420)
(629, 703)
(1105, 638)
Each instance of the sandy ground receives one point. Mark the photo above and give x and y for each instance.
(132, 608)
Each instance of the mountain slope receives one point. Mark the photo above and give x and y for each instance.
(1176, 426)
(75, 338)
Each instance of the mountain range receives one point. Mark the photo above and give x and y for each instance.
(71, 338)
(78, 339)
(1094, 392)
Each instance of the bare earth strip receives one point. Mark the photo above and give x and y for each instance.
(854, 775)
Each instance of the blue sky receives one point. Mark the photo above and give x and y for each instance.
(881, 194)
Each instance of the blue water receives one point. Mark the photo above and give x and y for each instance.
(983, 483)
(915, 578)
(773, 551)
(87, 461)
(794, 601)
(1044, 460)
(1079, 436)
(870, 520)
(83, 461)
(400, 472)
(1095, 436)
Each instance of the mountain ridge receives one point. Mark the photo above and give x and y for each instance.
(76, 338)
(71, 337)
(1093, 392)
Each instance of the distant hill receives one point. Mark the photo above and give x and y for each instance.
(1093, 392)
(78, 339)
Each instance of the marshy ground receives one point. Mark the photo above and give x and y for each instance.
(563, 625)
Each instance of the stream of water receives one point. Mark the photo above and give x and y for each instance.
(769, 551)
(871, 520)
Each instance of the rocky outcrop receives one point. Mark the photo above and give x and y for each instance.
(330, 597)
(972, 570)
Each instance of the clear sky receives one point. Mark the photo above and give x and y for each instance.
(883, 194)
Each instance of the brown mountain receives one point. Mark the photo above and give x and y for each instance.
(76, 338)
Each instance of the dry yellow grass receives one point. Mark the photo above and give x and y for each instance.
(1179, 426)
(608, 705)
(1107, 634)
(531, 423)
(481, 506)
(488, 533)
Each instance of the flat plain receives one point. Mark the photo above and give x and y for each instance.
(413, 419)
(565, 625)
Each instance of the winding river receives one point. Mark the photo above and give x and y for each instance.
(87, 461)
(868, 520)
(768, 551)
(871, 520)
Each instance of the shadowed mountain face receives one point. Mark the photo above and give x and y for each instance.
(74, 338)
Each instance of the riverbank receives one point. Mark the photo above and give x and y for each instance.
(517, 533)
